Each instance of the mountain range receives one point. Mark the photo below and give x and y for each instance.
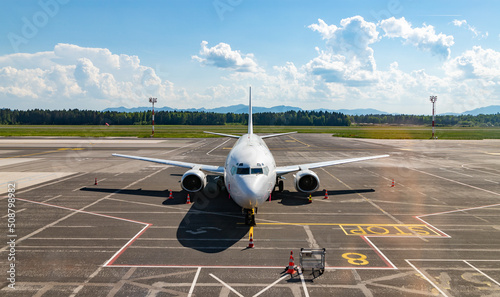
(241, 108)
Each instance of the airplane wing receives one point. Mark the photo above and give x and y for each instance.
(209, 168)
(287, 169)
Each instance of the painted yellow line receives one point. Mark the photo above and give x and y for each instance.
(340, 224)
(300, 141)
(400, 230)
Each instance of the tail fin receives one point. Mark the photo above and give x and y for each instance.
(250, 120)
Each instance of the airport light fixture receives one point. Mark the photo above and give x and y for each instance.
(153, 101)
(433, 99)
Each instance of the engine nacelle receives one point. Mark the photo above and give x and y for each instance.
(306, 181)
(193, 180)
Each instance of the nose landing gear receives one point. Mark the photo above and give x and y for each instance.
(250, 217)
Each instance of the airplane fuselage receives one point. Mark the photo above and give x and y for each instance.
(250, 172)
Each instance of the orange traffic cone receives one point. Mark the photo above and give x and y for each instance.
(170, 196)
(95, 182)
(392, 183)
(250, 243)
(326, 194)
(291, 265)
(310, 199)
(188, 201)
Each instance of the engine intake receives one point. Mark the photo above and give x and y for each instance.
(306, 181)
(193, 181)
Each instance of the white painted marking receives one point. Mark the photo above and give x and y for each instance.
(457, 182)
(306, 293)
(125, 246)
(208, 153)
(426, 278)
(55, 197)
(444, 169)
(492, 181)
(379, 252)
(487, 172)
(226, 285)
(185, 146)
(498, 284)
(459, 210)
(77, 289)
(191, 290)
(18, 211)
(271, 285)
(75, 211)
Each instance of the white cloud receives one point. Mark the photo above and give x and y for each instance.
(424, 38)
(476, 63)
(459, 23)
(222, 56)
(475, 32)
(349, 57)
(72, 75)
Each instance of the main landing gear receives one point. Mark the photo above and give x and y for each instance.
(279, 184)
(250, 217)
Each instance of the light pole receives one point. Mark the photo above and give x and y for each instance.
(153, 101)
(433, 99)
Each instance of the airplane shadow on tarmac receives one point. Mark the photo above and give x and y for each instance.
(212, 224)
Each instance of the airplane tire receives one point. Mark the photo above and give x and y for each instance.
(281, 186)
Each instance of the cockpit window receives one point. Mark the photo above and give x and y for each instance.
(257, 170)
(246, 170)
(243, 170)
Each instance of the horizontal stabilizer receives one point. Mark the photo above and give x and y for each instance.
(222, 134)
(276, 135)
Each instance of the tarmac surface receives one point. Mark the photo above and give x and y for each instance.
(423, 222)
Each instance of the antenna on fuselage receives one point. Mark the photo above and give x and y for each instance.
(250, 121)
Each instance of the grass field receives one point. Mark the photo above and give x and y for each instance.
(163, 131)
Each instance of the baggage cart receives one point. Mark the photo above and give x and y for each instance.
(313, 259)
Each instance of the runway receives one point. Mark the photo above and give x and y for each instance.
(423, 222)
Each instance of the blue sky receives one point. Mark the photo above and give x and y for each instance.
(389, 55)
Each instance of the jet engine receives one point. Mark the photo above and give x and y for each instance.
(306, 181)
(193, 180)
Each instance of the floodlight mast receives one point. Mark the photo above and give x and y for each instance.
(433, 99)
(153, 101)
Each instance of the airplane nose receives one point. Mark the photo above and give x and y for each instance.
(251, 192)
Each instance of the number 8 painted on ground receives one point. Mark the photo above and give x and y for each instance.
(360, 259)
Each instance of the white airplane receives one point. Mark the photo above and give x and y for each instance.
(250, 173)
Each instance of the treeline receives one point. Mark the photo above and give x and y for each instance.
(482, 120)
(289, 118)
(91, 117)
